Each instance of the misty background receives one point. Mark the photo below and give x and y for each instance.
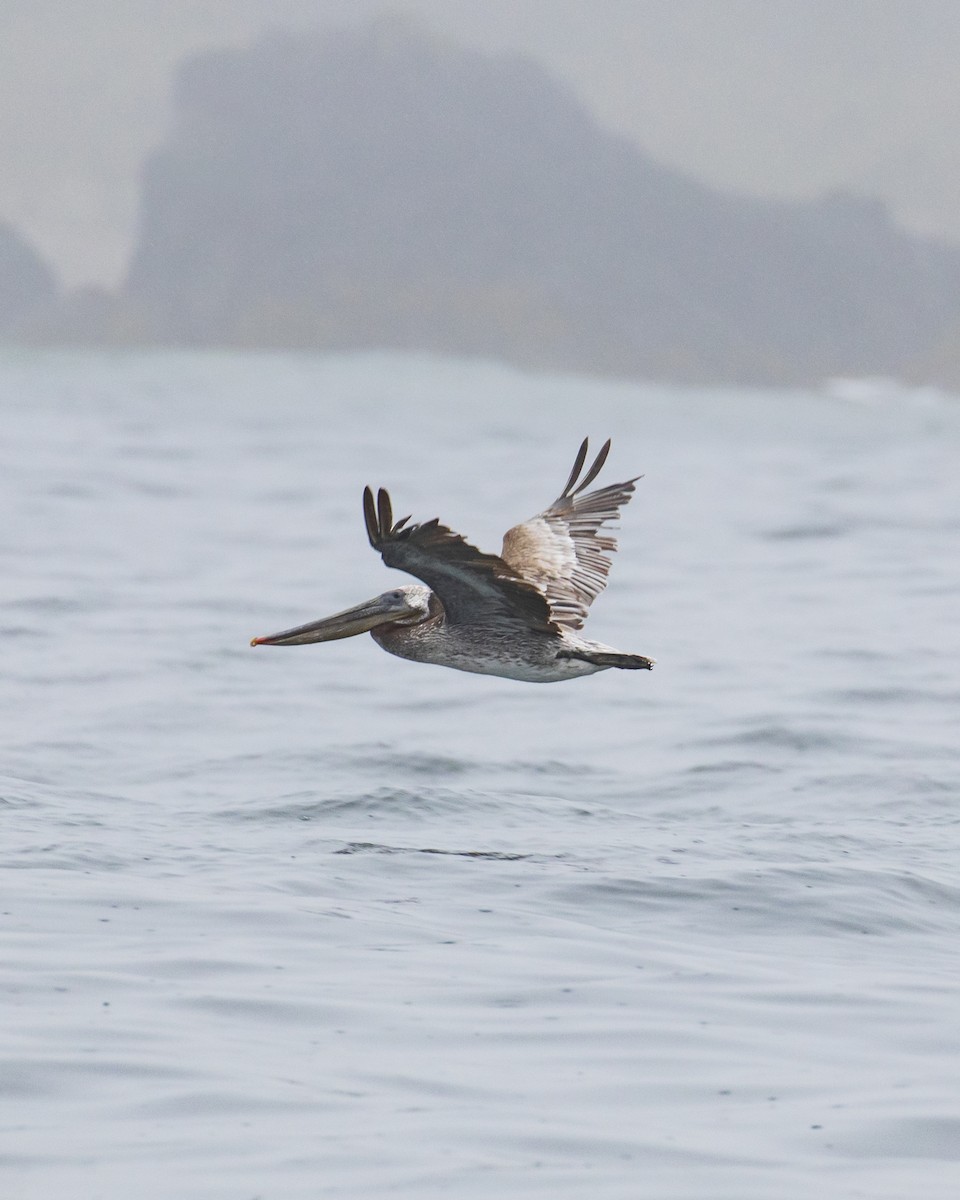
(322, 921)
(841, 118)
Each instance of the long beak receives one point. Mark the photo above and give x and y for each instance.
(345, 624)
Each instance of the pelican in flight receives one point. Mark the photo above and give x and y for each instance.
(517, 614)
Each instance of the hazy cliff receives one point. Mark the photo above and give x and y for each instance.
(27, 284)
(386, 189)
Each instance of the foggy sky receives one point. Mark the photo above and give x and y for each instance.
(766, 96)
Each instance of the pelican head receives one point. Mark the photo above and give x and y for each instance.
(403, 606)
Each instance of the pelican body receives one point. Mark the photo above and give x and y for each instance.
(517, 614)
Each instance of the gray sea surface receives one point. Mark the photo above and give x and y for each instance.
(317, 922)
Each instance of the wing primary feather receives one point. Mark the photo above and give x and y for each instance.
(577, 467)
(384, 512)
(594, 470)
(370, 518)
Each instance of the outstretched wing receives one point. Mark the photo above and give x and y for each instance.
(474, 588)
(562, 551)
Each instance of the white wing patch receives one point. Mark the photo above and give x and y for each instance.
(562, 551)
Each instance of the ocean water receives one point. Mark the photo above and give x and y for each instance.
(317, 922)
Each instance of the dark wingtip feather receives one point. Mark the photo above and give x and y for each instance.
(595, 469)
(577, 467)
(384, 512)
(370, 518)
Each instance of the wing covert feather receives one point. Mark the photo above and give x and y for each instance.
(474, 588)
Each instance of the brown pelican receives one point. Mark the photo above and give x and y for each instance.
(517, 614)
